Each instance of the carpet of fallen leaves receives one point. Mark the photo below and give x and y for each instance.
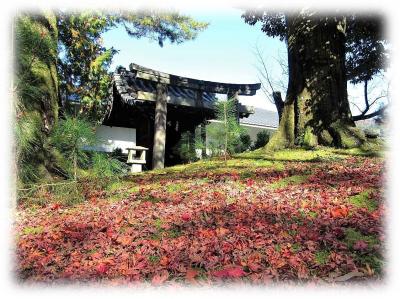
(209, 227)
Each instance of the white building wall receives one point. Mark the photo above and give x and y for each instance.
(115, 137)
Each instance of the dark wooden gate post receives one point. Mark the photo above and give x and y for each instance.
(160, 127)
(203, 135)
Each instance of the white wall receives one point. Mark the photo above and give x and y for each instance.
(252, 130)
(115, 137)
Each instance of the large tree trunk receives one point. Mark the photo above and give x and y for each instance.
(316, 109)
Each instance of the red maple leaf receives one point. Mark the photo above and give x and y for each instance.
(360, 245)
(186, 216)
(102, 268)
(250, 182)
(159, 278)
(339, 212)
(191, 274)
(55, 206)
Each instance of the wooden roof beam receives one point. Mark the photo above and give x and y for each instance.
(207, 86)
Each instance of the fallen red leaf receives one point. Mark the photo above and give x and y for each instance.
(231, 272)
(159, 278)
(339, 212)
(102, 268)
(186, 216)
(360, 245)
(191, 274)
(250, 182)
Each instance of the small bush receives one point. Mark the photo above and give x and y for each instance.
(262, 139)
(244, 143)
(186, 147)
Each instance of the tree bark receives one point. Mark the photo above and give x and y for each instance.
(316, 109)
(276, 95)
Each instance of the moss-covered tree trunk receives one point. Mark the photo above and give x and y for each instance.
(36, 92)
(316, 109)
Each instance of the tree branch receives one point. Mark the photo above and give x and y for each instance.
(371, 115)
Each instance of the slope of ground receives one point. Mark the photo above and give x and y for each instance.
(293, 216)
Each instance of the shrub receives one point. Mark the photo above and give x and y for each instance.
(262, 139)
(245, 142)
(186, 147)
(71, 137)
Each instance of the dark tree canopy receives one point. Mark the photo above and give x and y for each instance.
(366, 54)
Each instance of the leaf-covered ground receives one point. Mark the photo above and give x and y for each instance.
(292, 217)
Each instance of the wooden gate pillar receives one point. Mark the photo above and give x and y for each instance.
(160, 126)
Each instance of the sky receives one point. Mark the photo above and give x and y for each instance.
(223, 52)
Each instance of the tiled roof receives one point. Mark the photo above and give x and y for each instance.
(262, 117)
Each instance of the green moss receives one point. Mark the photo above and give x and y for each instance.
(114, 186)
(154, 259)
(32, 230)
(171, 188)
(296, 247)
(347, 136)
(158, 223)
(174, 233)
(284, 137)
(134, 189)
(310, 140)
(313, 214)
(352, 236)
(325, 138)
(374, 261)
(363, 200)
(292, 180)
(322, 257)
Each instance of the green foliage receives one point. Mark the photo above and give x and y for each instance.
(161, 26)
(84, 61)
(104, 166)
(245, 142)
(186, 147)
(70, 137)
(262, 139)
(225, 135)
(32, 230)
(35, 91)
